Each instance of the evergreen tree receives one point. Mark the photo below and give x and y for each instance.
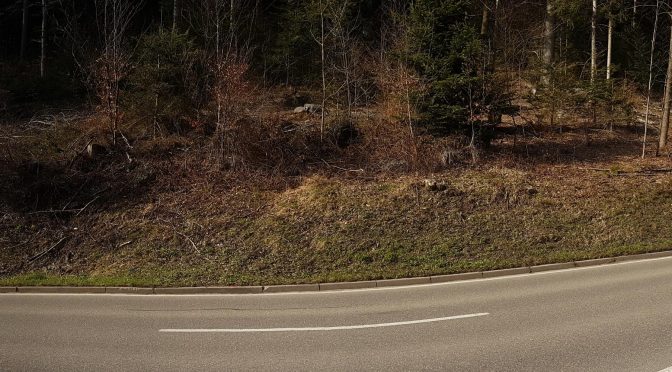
(446, 52)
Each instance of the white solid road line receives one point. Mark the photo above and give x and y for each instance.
(314, 329)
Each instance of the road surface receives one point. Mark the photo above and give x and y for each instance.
(607, 318)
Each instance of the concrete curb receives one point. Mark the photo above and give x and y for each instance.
(209, 290)
(337, 286)
(506, 272)
(74, 290)
(552, 267)
(347, 285)
(595, 262)
(455, 277)
(129, 290)
(292, 288)
(403, 282)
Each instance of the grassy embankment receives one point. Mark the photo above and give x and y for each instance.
(332, 229)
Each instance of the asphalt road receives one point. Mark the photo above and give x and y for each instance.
(609, 318)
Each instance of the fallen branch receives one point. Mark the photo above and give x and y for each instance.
(77, 211)
(58, 245)
(343, 169)
(193, 245)
(87, 204)
(124, 244)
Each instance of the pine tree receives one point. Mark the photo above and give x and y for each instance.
(445, 51)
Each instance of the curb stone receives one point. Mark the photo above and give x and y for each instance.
(506, 272)
(403, 282)
(65, 290)
(209, 290)
(644, 256)
(292, 288)
(347, 285)
(129, 290)
(595, 262)
(335, 286)
(552, 267)
(455, 277)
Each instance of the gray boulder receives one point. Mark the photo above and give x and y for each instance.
(309, 108)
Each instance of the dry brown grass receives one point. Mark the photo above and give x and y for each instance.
(291, 209)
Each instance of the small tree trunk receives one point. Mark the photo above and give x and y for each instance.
(232, 25)
(648, 93)
(176, 11)
(487, 31)
(324, 77)
(24, 29)
(593, 43)
(549, 39)
(665, 124)
(610, 45)
(43, 37)
(485, 20)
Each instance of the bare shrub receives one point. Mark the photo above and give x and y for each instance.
(114, 60)
(233, 94)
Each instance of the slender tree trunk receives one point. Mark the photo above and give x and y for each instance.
(593, 43)
(549, 40)
(648, 93)
(610, 38)
(485, 20)
(43, 37)
(665, 124)
(218, 61)
(24, 29)
(487, 32)
(176, 12)
(324, 77)
(232, 26)
(610, 45)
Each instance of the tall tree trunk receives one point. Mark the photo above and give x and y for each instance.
(549, 39)
(485, 20)
(176, 12)
(648, 92)
(487, 29)
(218, 61)
(593, 43)
(24, 29)
(665, 124)
(232, 25)
(324, 77)
(43, 37)
(610, 38)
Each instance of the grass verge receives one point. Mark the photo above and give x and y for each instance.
(330, 229)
